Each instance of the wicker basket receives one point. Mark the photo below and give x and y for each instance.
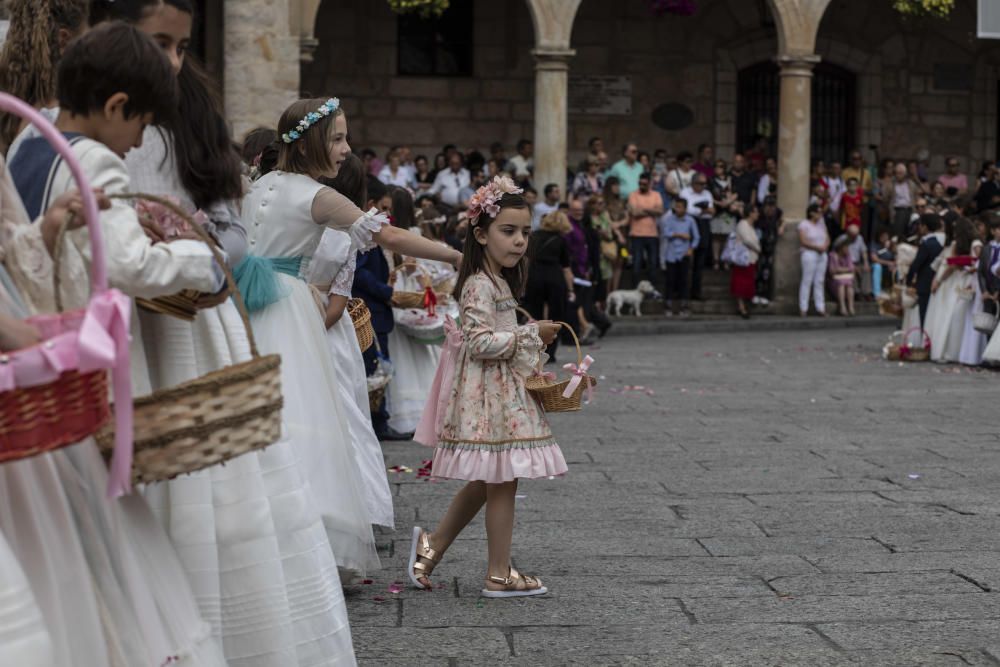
(891, 350)
(362, 319)
(404, 299)
(213, 418)
(919, 352)
(549, 393)
(378, 381)
(38, 416)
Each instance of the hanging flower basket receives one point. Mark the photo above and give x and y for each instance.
(934, 8)
(677, 7)
(424, 8)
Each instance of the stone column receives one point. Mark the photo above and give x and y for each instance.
(794, 150)
(262, 63)
(551, 90)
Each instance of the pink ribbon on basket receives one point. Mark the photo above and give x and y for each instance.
(104, 343)
(579, 373)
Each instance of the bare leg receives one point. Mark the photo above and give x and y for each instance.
(849, 291)
(841, 299)
(499, 528)
(463, 508)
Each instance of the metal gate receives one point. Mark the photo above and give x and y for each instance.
(834, 109)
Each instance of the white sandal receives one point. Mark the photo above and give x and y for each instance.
(517, 586)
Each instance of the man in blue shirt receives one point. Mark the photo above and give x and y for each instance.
(678, 238)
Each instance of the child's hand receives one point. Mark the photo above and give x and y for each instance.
(16, 334)
(68, 209)
(547, 331)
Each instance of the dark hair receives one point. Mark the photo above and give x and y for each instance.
(256, 142)
(403, 212)
(592, 141)
(964, 233)
(681, 200)
(131, 11)
(419, 158)
(32, 51)
(932, 221)
(962, 202)
(208, 164)
(702, 147)
(376, 189)
(117, 58)
(310, 154)
(474, 253)
(528, 188)
(813, 208)
(549, 188)
(684, 155)
(883, 231)
(351, 181)
(367, 152)
(522, 143)
(645, 176)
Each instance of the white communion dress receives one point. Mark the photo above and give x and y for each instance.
(286, 215)
(946, 311)
(332, 272)
(104, 574)
(415, 362)
(248, 533)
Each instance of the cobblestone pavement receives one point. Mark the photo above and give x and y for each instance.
(765, 499)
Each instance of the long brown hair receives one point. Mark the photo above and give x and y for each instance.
(351, 181)
(474, 253)
(32, 50)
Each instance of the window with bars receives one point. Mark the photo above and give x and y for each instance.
(834, 109)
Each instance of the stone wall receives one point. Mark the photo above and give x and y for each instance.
(694, 61)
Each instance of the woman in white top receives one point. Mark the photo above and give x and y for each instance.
(814, 241)
(395, 172)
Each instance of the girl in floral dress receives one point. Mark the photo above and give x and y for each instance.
(485, 427)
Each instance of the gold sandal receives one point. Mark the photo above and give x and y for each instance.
(420, 547)
(516, 585)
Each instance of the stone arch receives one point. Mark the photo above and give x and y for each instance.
(302, 15)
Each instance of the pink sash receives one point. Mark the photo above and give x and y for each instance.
(429, 428)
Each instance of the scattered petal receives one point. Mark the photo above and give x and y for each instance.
(913, 475)
(367, 582)
(378, 598)
(395, 587)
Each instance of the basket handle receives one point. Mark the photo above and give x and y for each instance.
(98, 265)
(906, 334)
(579, 351)
(210, 242)
(410, 262)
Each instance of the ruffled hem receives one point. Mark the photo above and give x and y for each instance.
(364, 227)
(494, 466)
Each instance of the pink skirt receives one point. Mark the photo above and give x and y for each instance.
(498, 465)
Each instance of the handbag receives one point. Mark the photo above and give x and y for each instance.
(735, 252)
(609, 250)
(986, 323)
(55, 393)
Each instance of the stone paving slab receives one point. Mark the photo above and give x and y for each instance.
(779, 498)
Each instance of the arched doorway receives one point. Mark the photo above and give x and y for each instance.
(834, 109)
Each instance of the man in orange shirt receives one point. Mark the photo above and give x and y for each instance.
(645, 206)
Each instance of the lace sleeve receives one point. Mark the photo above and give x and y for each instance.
(344, 279)
(334, 210)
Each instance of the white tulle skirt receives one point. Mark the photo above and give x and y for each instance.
(353, 387)
(315, 423)
(415, 364)
(103, 572)
(248, 533)
(24, 640)
(946, 318)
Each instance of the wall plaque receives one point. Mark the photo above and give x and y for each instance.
(600, 95)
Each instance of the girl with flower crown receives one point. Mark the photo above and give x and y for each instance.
(286, 212)
(485, 427)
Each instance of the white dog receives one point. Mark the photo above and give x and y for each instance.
(630, 297)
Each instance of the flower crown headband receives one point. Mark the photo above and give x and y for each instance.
(311, 119)
(487, 198)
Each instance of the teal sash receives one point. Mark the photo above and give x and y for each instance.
(258, 280)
